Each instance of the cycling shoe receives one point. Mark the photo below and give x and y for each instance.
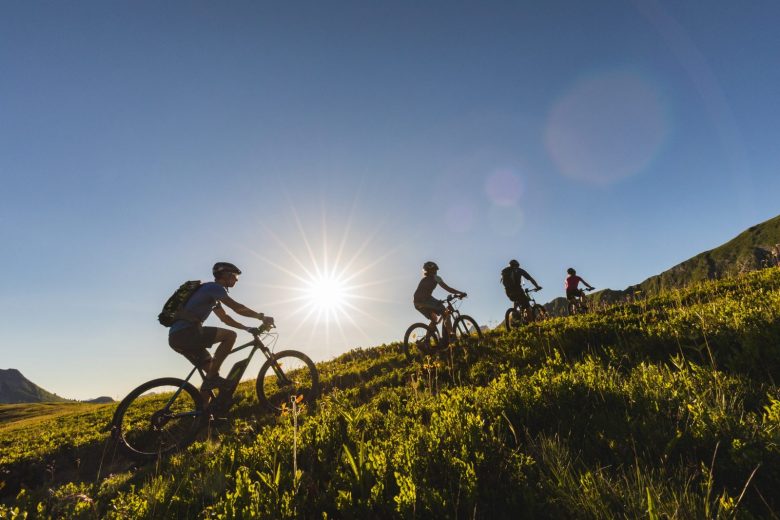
(211, 383)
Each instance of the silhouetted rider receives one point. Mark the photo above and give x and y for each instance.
(572, 285)
(512, 279)
(190, 338)
(429, 306)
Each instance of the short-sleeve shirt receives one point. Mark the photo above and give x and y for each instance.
(425, 288)
(572, 281)
(200, 304)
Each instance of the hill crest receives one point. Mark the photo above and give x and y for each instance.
(15, 389)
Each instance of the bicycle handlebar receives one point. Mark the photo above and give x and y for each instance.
(456, 297)
(256, 331)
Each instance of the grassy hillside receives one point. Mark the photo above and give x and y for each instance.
(22, 415)
(666, 407)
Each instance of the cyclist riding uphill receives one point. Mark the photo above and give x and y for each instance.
(572, 285)
(512, 279)
(429, 306)
(190, 338)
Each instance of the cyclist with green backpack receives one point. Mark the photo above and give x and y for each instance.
(189, 307)
(512, 279)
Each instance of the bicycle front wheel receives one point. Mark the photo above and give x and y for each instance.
(540, 313)
(157, 418)
(288, 375)
(420, 340)
(467, 332)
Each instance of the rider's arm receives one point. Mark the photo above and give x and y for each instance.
(449, 289)
(589, 286)
(243, 310)
(227, 319)
(531, 279)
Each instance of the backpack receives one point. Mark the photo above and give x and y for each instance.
(510, 280)
(171, 310)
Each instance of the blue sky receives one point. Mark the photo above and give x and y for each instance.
(140, 142)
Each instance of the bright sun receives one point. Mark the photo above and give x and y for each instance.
(327, 288)
(327, 293)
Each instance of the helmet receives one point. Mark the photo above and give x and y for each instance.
(571, 270)
(224, 267)
(514, 263)
(429, 266)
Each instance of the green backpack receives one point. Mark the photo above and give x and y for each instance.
(171, 309)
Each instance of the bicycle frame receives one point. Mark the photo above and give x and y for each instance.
(531, 301)
(450, 310)
(236, 371)
(579, 303)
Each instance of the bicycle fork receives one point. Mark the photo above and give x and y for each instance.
(281, 377)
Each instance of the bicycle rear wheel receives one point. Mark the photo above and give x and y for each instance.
(157, 418)
(467, 332)
(513, 318)
(420, 340)
(287, 375)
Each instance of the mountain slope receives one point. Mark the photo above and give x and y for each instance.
(748, 251)
(15, 388)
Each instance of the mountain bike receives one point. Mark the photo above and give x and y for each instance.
(164, 415)
(424, 338)
(515, 317)
(579, 304)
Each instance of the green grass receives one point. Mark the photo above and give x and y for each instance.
(662, 408)
(14, 416)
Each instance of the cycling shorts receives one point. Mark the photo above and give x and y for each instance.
(572, 294)
(192, 343)
(428, 306)
(519, 297)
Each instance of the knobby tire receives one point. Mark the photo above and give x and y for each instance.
(419, 340)
(304, 382)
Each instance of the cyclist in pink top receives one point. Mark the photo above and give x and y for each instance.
(572, 285)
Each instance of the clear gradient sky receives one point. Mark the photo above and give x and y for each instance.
(140, 142)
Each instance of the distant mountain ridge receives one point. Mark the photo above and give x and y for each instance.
(750, 250)
(15, 388)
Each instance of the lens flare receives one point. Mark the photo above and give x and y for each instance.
(607, 128)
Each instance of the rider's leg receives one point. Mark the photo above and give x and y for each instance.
(434, 320)
(226, 339)
(447, 325)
